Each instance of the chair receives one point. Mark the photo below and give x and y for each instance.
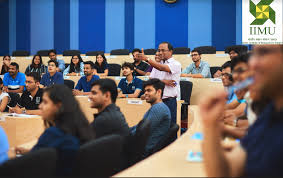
(240, 48)
(14, 98)
(94, 53)
(181, 50)
(43, 52)
(214, 69)
(186, 91)
(167, 139)
(206, 49)
(69, 83)
(114, 69)
(71, 52)
(149, 51)
(20, 53)
(99, 157)
(33, 164)
(119, 52)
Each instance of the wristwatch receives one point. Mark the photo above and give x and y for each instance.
(24, 111)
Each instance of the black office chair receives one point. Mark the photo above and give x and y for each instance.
(14, 98)
(186, 92)
(149, 51)
(94, 53)
(206, 49)
(120, 52)
(33, 164)
(214, 69)
(43, 52)
(114, 69)
(71, 52)
(239, 48)
(20, 53)
(99, 157)
(181, 50)
(70, 84)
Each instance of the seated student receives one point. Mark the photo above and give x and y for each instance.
(31, 97)
(14, 81)
(36, 66)
(157, 59)
(5, 65)
(76, 67)
(227, 80)
(140, 66)
(52, 77)
(198, 69)
(66, 127)
(4, 146)
(109, 119)
(4, 97)
(131, 86)
(159, 114)
(61, 63)
(260, 151)
(101, 66)
(85, 82)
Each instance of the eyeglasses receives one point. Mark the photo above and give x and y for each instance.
(239, 71)
(225, 75)
(163, 50)
(194, 55)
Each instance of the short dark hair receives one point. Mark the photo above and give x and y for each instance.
(35, 76)
(52, 51)
(196, 50)
(106, 85)
(242, 58)
(90, 63)
(15, 64)
(156, 83)
(55, 62)
(129, 65)
(1, 81)
(6, 56)
(226, 64)
(136, 50)
(170, 47)
(236, 50)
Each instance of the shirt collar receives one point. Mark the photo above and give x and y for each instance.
(200, 64)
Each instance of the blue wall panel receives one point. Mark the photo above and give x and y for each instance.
(23, 25)
(74, 24)
(12, 26)
(4, 31)
(129, 24)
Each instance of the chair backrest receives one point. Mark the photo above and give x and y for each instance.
(149, 51)
(20, 53)
(69, 83)
(114, 69)
(43, 52)
(14, 98)
(214, 69)
(71, 52)
(93, 53)
(99, 157)
(181, 50)
(119, 52)
(168, 138)
(186, 90)
(207, 49)
(36, 164)
(240, 48)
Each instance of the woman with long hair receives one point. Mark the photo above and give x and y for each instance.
(6, 64)
(36, 66)
(66, 126)
(101, 65)
(76, 67)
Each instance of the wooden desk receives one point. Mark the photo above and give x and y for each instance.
(171, 161)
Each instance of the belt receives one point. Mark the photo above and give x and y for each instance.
(169, 98)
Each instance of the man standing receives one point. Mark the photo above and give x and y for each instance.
(31, 98)
(131, 86)
(52, 55)
(85, 82)
(139, 66)
(109, 119)
(168, 71)
(52, 77)
(14, 81)
(197, 69)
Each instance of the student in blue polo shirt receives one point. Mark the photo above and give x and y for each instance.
(4, 146)
(14, 81)
(85, 82)
(52, 77)
(129, 87)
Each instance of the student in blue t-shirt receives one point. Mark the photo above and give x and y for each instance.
(52, 77)
(4, 146)
(101, 65)
(66, 127)
(129, 87)
(14, 81)
(85, 82)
